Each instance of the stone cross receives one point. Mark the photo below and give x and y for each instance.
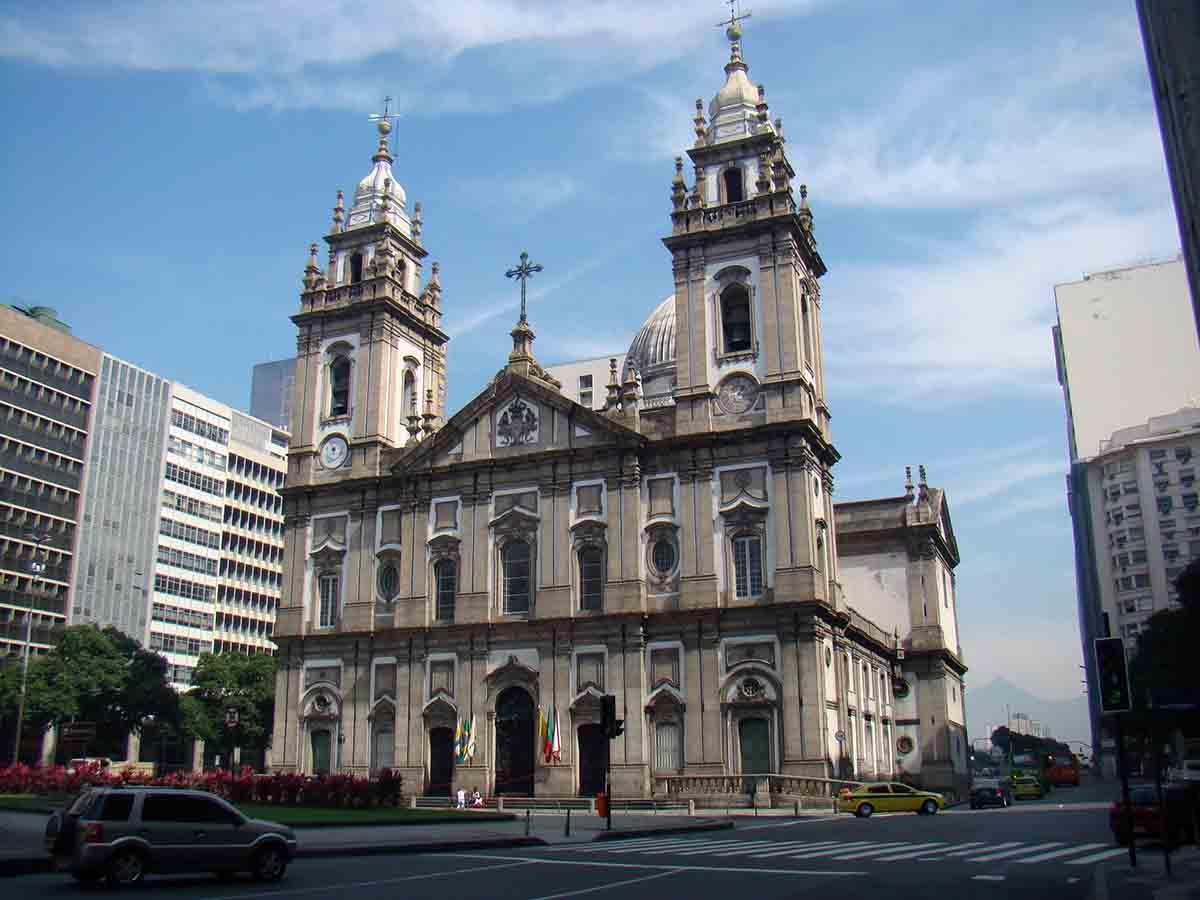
(524, 272)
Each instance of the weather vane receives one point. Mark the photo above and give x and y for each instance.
(523, 272)
(731, 26)
(386, 118)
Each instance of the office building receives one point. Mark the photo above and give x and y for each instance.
(271, 385)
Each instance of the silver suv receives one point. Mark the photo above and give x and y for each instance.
(123, 833)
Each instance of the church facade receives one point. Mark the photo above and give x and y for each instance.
(514, 562)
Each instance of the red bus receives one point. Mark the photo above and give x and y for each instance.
(1063, 769)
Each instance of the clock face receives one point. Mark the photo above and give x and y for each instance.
(334, 452)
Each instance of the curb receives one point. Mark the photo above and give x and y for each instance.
(668, 829)
(430, 847)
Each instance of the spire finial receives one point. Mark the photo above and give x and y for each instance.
(700, 123)
(921, 470)
(908, 484)
(733, 31)
(523, 272)
(339, 213)
(383, 121)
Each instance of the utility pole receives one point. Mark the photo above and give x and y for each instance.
(36, 567)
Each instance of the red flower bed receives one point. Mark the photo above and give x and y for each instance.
(245, 786)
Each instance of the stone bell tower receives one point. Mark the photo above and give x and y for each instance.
(371, 367)
(747, 302)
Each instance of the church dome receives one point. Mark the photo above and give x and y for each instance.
(653, 346)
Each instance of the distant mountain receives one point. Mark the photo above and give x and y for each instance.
(1067, 720)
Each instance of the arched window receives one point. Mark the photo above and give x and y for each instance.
(445, 577)
(409, 397)
(734, 192)
(591, 578)
(747, 565)
(356, 268)
(735, 319)
(517, 570)
(339, 387)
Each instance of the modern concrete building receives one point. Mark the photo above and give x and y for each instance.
(47, 389)
(1126, 353)
(271, 387)
(676, 548)
(585, 381)
(1171, 35)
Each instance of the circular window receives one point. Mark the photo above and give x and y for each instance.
(905, 745)
(388, 581)
(900, 688)
(663, 556)
(828, 657)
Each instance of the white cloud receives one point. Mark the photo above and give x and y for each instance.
(519, 199)
(1002, 479)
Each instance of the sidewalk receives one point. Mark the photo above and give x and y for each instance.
(1117, 881)
(22, 853)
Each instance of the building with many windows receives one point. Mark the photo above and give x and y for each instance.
(47, 390)
(671, 540)
(585, 380)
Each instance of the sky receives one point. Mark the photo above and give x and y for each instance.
(164, 168)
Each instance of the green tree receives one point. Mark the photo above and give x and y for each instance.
(238, 682)
(1166, 666)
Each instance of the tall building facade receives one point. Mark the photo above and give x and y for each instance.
(1171, 35)
(47, 387)
(522, 558)
(1126, 354)
(271, 388)
(585, 381)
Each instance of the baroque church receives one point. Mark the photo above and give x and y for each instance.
(499, 570)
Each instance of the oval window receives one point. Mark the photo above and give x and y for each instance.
(664, 556)
(388, 581)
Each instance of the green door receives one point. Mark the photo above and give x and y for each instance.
(320, 752)
(754, 737)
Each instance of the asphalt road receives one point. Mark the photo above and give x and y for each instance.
(1038, 849)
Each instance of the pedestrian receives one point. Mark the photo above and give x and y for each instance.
(462, 798)
(477, 798)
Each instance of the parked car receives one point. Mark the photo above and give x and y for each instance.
(1188, 771)
(988, 792)
(1026, 787)
(1147, 813)
(867, 799)
(123, 833)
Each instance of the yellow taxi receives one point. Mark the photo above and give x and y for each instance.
(1026, 787)
(867, 799)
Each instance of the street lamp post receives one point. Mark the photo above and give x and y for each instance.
(36, 568)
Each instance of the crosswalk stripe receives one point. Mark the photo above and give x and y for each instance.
(887, 847)
(1096, 857)
(992, 849)
(752, 846)
(809, 846)
(1055, 854)
(627, 847)
(673, 846)
(829, 851)
(712, 848)
(976, 845)
(919, 850)
(1005, 854)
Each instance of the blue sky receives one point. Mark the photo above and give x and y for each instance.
(165, 166)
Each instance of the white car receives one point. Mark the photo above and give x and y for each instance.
(1186, 771)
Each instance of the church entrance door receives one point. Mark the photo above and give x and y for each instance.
(441, 761)
(321, 743)
(593, 759)
(754, 740)
(514, 743)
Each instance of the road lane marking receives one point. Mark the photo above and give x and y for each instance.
(712, 848)
(752, 846)
(605, 887)
(919, 850)
(987, 877)
(829, 851)
(873, 850)
(813, 846)
(993, 847)
(687, 844)
(1004, 854)
(601, 864)
(1055, 854)
(831, 816)
(509, 862)
(962, 848)
(1097, 857)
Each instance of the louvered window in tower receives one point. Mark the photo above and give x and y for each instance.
(339, 387)
(735, 319)
(733, 185)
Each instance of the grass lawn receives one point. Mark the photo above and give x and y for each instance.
(387, 815)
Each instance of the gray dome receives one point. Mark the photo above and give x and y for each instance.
(653, 347)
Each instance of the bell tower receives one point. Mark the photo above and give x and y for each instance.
(371, 367)
(746, 267)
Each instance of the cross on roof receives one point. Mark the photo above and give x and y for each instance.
(385, 116)
(524, 272)
(735, 16)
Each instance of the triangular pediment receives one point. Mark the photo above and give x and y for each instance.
(512, 417)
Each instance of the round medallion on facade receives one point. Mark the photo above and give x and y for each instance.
(905, 745)
(737, 394)
(663, 556)
(753, 689)
(900, 689)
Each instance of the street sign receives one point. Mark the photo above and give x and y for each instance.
(77, 731)
(840, 736)
(1112, 675)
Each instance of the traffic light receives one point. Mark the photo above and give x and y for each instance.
(1112, 675)
(608, 714)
